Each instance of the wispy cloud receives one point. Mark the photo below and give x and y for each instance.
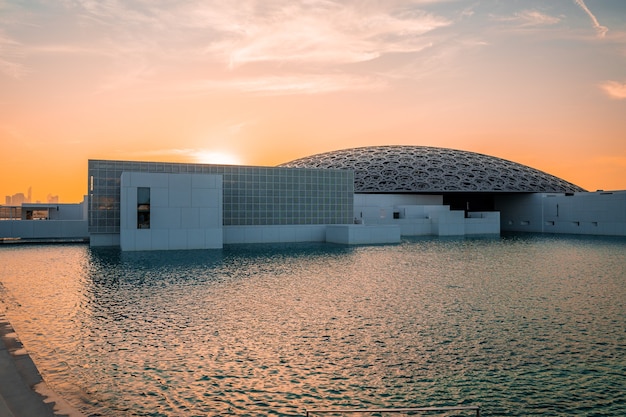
(315, 31)
(326, 32)
(260, 47)
(600, 30)
(10, 55)
(283, 84)
(614, 89)
(529, 18)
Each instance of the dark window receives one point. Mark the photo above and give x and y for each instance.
(143, 208)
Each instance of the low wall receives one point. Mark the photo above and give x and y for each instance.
(482, 223)
(357, 234)
(44, 229)
(274, 234)
(104, 240)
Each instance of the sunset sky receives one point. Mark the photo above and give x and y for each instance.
(542, 83)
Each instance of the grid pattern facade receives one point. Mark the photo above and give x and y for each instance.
(392, 169)
(251, 195)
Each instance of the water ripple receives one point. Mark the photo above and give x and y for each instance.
(522, 325)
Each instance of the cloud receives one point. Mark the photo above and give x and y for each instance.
(285, 84)
(308, 46)
(314, 31)
(324, 32)
(10, 55)
(256, 46)
(600, 30)
(614, 89)
(529, 18)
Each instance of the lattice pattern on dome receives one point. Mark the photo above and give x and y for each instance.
(427, 169)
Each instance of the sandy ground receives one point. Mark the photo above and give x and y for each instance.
(23, 392)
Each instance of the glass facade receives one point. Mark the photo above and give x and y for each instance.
(253, 196)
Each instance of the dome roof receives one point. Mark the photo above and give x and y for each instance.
(398, 169)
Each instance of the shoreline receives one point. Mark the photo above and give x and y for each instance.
(23, 391)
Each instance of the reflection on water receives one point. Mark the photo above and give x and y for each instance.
(522, 325)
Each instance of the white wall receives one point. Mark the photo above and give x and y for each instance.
(357, 234)
(274, 234)
(597, 213)
(104, 239)
(185, 211)
(482, 222)
(60, 211)
(44, 229)
(379, 208)
(419, 215)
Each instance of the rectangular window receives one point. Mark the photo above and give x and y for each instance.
(143, 208)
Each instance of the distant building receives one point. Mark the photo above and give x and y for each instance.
(19, 198)
(16, 199)
(44, 222)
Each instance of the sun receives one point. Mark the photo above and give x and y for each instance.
(214, 157)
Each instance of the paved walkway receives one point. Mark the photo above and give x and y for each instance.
(18, 376)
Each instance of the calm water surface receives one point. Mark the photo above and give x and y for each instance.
(521, 325)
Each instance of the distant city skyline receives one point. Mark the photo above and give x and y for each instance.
(539, 83)
(18, 199)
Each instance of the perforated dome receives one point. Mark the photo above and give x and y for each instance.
(387, 169)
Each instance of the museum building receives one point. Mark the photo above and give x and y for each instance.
(367, 195)
(352, 196)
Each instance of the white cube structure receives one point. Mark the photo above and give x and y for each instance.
(161, 211)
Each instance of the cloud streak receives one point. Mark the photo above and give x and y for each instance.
(529, 18)
(287, 84)
(10, 54)
(290, 47)
(326, 32)
(614, 89)
(279, 32)
(600, 30)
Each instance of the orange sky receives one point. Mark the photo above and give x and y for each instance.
(262, 83)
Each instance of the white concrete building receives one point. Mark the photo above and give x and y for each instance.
(352, 196)
(597, 213)
(44, 222)
(170, 211)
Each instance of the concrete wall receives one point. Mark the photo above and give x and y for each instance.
(597, 213)
(274, 234)
(104, 239)
(65, 221)
(448, 223)
(44, 229)
(415, 227)
(357, 234)
(185, 211)
(482, 222)
(430, 217)
(379, 208)
(58, 211)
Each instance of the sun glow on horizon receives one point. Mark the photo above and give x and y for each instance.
(216, 157)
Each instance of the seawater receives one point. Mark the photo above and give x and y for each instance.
(520, 325)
